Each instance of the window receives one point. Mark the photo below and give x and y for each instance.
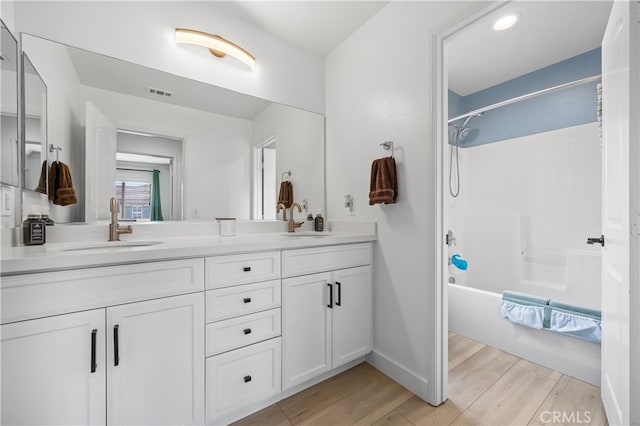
(135, 200)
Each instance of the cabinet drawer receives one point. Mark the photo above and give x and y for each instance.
(243, 299)
(239, 378)
(51, 293)
(225, 271)
(320, 259)
(223, 336)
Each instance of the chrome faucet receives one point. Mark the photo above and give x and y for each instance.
(293, 224)
(114, 228)
(284, 210)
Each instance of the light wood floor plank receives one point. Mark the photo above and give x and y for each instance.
(461, 348)
(514, 398)
(393, 419)
(572, 402)
(362, 407)
(467, 382)
(271, 416)
(312, 400)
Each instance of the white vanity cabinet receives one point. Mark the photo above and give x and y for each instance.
(327, 316)
(243, 365)
(131, 363)
(54, 371)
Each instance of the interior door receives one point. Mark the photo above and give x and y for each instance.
(620, 188)
(100, 163)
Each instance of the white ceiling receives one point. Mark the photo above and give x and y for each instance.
(548, 32)
(315, 26)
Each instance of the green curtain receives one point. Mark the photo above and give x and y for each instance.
(156, 209)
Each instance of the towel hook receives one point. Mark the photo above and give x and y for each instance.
(288, 173)
(387, 145)
(57, 149)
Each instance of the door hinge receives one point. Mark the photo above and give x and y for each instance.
(635, 224)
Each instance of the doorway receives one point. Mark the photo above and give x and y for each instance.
(487, 112)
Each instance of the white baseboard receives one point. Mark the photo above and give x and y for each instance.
(401, 374)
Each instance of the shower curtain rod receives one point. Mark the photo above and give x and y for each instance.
(527, 96)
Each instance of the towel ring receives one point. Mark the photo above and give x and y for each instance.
(387, 145)
(288, 173)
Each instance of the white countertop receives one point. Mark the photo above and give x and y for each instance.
(58, 256)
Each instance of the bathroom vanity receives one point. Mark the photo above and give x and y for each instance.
(179, 331)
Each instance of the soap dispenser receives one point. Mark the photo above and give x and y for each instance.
(318, 222)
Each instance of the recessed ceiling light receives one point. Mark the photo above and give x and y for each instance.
(506, 21)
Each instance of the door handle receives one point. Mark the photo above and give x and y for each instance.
(116, 351)
(339, 298)
(596, 240)
(330, 305)
(94, 334)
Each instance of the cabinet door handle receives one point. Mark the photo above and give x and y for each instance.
(339, 298)
(246, 300)
(330, 305)
(247, 268)
(247, 331)
(94, 334)
(247, 379)
(116, 351)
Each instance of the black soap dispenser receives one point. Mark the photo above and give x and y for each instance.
(318, 222)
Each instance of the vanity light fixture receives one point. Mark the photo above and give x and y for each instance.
(217, 45)
(506, 21)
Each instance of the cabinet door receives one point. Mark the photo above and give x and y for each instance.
(306, 328)
(53, 370)
(155, 357)
(351, 327)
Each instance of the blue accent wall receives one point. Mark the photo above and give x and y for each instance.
(564, 108)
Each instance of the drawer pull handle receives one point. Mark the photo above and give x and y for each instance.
(94, 332)
(247, 331)
(339, 298)
(116, 351)
(247, 268)
(247, 379)
(330, 305)
(246, 300)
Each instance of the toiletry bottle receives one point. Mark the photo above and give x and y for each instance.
(34, 231)
(319, 222)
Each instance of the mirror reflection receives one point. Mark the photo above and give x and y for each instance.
(9, 107)
(35, 129)
(128, 131)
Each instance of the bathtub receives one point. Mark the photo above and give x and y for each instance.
(475, 314)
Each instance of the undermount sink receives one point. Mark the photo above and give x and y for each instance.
(307, 234)
(111, 245)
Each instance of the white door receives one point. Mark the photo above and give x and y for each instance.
(306, 328)
(351, 327)
(100, 163)
(53, 370)
(155, 358)
(619, 194)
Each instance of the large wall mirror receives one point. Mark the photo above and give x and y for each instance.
(124, 129)
(9, 169)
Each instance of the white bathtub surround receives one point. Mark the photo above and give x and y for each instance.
(525, 211)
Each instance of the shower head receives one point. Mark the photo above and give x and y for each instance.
(470, 117)
(463, 132)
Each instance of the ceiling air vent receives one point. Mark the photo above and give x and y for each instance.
(159, 92)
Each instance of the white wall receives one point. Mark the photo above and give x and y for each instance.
(7, 14)
(216, 149)
(525, 210)
(378, 88)
(144, 32)
(300, 148)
